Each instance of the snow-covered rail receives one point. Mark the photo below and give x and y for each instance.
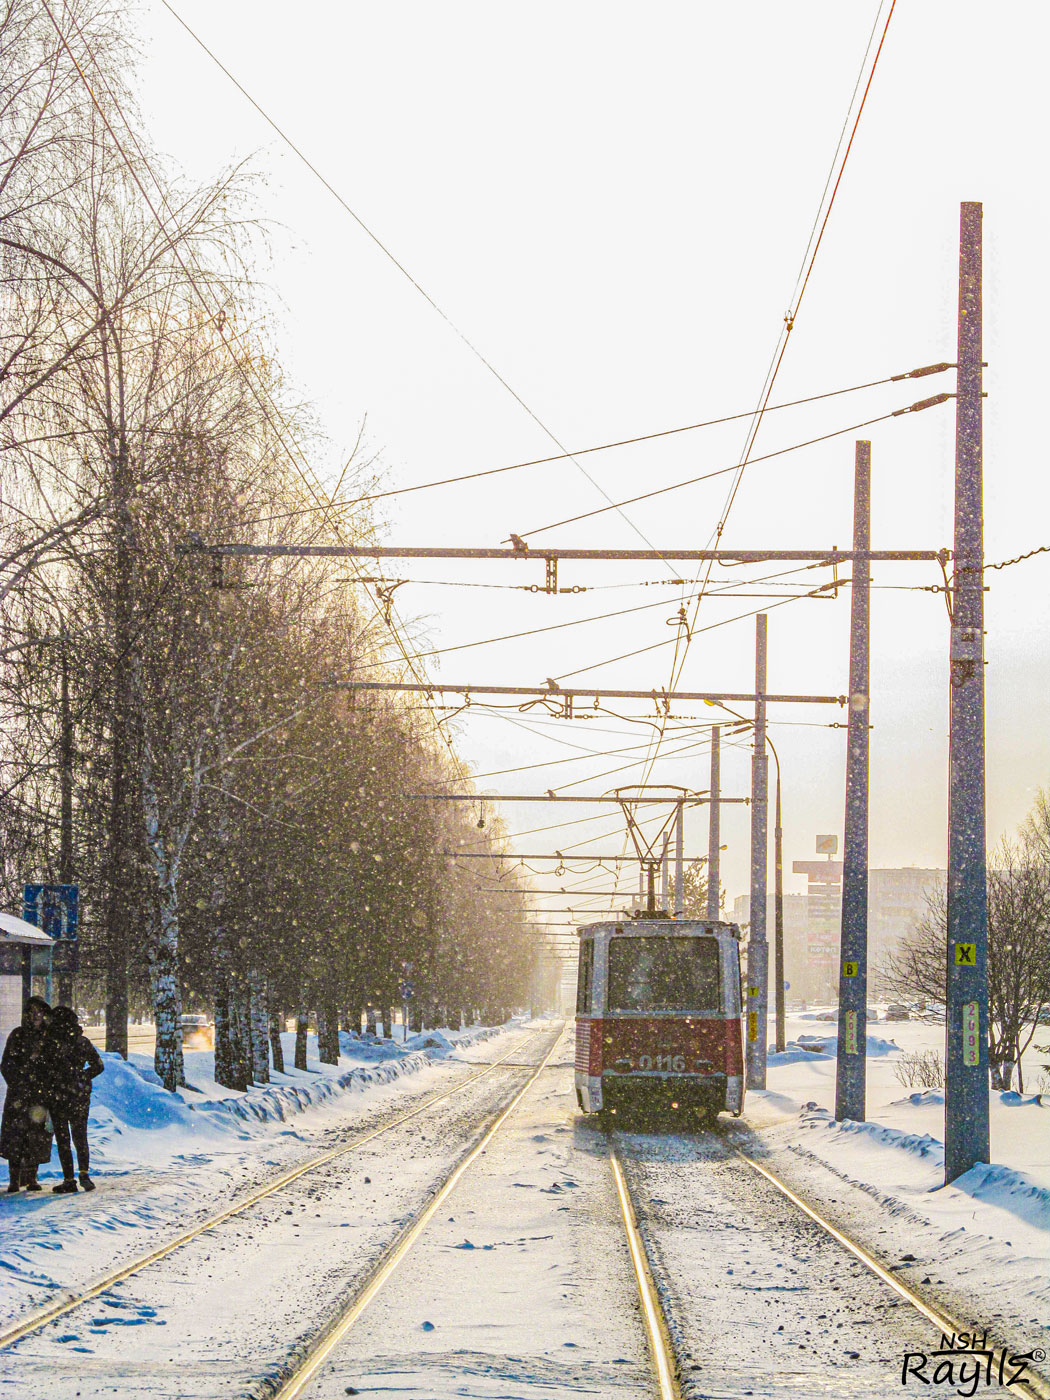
(661, 1348)
(295, 1382)
(40, 1318)
(1030, 1386)
(755, 1300)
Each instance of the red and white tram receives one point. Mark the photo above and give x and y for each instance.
(658, 1018)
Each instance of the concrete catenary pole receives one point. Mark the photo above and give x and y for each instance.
(758, 947)
(679, 862)
(778, 914)
(714, 829)
(853, 946)
(966, 1028)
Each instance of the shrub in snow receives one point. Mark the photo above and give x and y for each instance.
(923, 1069)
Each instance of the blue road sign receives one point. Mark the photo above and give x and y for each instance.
(53, 908)
(407, 991)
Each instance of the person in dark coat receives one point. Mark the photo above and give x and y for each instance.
(72, 1063)
(25, 1132)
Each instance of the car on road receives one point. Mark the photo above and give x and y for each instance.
(896, 1012)
(197, 1033)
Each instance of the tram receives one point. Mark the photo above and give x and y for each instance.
(658, 1019)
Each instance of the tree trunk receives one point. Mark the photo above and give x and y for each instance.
(123, 804)
(242, 1039)
(259, 1020)
(276, 1048)
(167, 995)
(225, 1049)
(226, 1068)
(370, 1019)
(327, 1033)
(301, 1029)
(116, 979)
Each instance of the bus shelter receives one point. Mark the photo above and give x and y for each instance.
(25, 969)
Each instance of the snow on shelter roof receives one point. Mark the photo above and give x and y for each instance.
(15, 930)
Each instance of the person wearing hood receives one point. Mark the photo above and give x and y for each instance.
(25, 1132)
(73, 1062)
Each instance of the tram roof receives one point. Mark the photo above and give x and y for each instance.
(657, 926)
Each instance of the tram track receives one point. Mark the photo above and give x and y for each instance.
(678, 1371)
(658, 1335)
(304, 1369)
(40, 1318)
(697, 1322)
(383, 1357)
(1036, 1387)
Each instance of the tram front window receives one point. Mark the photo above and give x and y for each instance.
(660, 973)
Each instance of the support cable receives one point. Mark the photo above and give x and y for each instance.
(264, 400)
(404, 272)
(607, 446)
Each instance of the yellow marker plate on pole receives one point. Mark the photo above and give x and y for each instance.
(971, 1026)
(966, 955)
(849, 969)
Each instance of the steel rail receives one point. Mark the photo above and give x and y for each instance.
(1035, 1386)
(40, 1318)
(656, 1330)
(294, 1383)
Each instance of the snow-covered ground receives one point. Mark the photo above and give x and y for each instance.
(162, 1162)
(981, 1245)
(522, 1286)
(223, 1315)
(762, 1301)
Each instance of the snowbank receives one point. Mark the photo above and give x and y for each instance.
(992, 1222)
(825, 1047)
(161, 1160)
(129, 1098)
(132, 1094)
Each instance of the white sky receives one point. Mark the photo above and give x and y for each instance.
(612, 202)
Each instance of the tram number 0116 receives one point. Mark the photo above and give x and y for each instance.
(675, 1064)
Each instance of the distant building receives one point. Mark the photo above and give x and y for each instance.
(897, 903)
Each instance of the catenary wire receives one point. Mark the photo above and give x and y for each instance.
(554, 627)
(669, 641)
(584, 451)
(404, 271)
(269, 408)
(682, 645)
(707, 476)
